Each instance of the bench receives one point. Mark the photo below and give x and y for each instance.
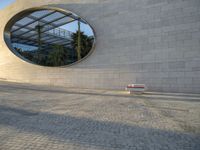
(136, 88)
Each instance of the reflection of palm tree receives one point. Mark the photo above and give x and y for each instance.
(86, 43)
(79, 41)
(58, 56)
(39, 30)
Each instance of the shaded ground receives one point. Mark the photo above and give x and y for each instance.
(46, 118)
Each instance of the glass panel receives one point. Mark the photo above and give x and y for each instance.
(52, 38)
(40, 13)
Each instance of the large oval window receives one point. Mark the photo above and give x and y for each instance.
(49, 36)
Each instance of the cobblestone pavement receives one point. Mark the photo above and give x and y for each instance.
(53, 118)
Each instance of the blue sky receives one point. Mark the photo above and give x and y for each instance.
(4, 3)
(73, 27)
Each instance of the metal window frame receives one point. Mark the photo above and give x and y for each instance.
(25, 13)
(43, 39)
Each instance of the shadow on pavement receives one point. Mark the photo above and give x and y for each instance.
(102, 134)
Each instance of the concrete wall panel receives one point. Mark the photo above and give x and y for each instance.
(155, 42)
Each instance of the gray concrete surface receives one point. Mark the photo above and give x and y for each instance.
(56, 118)
(152, 42)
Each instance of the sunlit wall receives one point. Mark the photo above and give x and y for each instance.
(137, 41)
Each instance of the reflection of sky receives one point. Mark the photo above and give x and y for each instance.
(24, 47)
(73, 27)
(66, 26)
(4, 3)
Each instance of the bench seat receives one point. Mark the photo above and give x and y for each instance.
(136, 88)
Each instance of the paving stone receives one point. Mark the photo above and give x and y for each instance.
(45, 118)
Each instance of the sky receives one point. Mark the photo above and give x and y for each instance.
(4, 3)
(73, 27)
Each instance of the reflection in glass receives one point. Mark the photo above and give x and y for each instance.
(52, 38)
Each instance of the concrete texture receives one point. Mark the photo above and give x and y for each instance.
(54, 118)
(152, 42)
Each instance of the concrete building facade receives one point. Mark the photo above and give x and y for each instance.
(152, 42)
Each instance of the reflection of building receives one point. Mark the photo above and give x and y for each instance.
(41, 36)
(158, 45)
(49, 25)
